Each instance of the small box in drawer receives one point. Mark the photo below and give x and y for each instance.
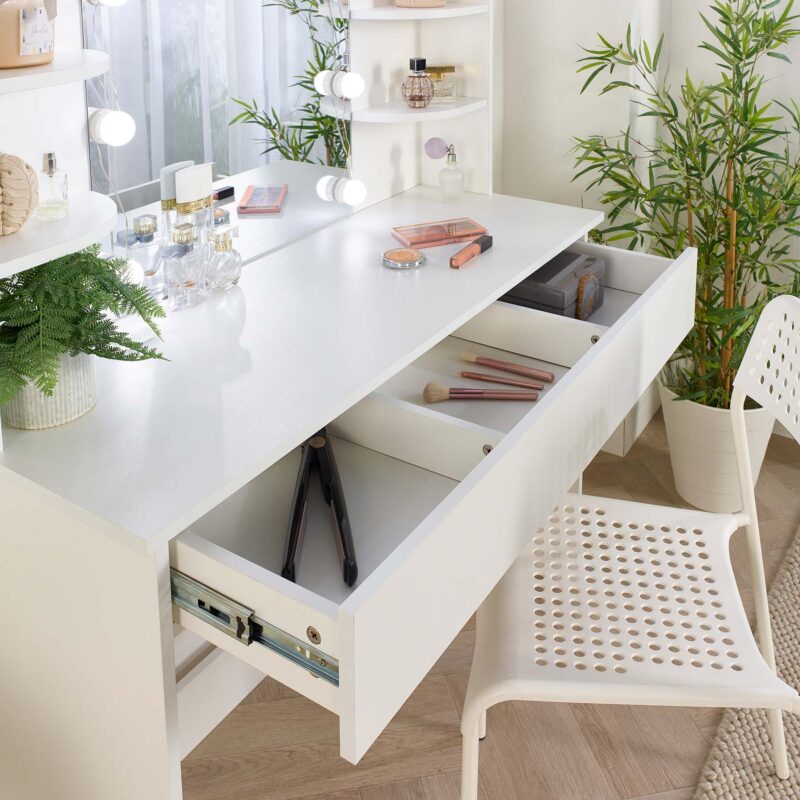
(571, 285)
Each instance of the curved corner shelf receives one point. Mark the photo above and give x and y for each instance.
(398, 111)
(91, 217)
(67, 66)
(392, 12)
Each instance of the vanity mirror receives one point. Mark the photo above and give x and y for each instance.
(226, 82)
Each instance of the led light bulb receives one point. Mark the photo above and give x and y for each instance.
(348, 191)
(114, 128)
(346, 85)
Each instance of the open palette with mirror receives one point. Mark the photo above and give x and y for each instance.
(226, 82)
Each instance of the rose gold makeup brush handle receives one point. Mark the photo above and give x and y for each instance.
(517, 369)
(499, 394)
(479, 376)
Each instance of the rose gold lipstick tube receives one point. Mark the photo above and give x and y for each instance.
(480, 376)
(480, 245)
(517, 369)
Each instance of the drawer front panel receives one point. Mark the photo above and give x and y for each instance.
(400, 620)
(273, 599)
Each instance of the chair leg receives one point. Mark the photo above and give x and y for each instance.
(482, 727)
(778, 739)
(469, 764)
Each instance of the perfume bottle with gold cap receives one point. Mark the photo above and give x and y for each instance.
(184, 268)
(195, 203)
(225, 267)
(146, 251)
(168, 198)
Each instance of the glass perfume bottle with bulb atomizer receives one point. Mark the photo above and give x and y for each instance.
(225, 266)
(53, 191)
(184, 268)
(451, 176)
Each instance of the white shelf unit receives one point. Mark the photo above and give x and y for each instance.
(389, 157)
(396, 111)
(67, 66)
(452, 10)
(91, 217)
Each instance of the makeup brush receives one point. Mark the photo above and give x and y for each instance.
(480, 376)
(508, 366)
(436, 393)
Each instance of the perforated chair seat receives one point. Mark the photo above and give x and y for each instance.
(619, 602)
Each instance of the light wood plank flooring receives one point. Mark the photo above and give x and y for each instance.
(279, 746)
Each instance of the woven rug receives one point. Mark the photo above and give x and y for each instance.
(739, 766)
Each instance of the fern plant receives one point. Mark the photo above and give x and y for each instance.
(68, 305)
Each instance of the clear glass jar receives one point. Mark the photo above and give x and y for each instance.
(27, 35)
(183, 267)
(418, 87)
(225, 267)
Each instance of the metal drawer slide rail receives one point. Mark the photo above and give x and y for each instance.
(240, 623)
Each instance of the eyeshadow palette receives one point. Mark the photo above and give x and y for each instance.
(435, 234)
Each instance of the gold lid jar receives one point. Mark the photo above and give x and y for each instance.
(185, 233)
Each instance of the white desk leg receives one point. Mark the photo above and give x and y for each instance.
(87, 679)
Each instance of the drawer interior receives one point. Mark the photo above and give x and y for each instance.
(386, 499)
(399, 457)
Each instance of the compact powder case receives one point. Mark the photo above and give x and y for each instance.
(404, 258)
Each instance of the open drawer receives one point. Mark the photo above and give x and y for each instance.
(441, 499)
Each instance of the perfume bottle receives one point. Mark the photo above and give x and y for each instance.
(147, 251)
(183, 266)
(194, 199)
(225, 267)
(444, 84)
(168, 202)
(418, 87)
(451, 177)
(53, 191)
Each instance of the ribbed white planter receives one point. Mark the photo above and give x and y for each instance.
(702, 452)
(74, 395)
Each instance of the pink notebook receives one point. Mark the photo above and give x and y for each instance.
(263, 199)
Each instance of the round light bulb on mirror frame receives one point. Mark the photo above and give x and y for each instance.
(111, 127)
(347, 191)
(339, 83)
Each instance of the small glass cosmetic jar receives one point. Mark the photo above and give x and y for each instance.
(403, 258)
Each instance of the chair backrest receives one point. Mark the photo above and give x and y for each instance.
(770, 370)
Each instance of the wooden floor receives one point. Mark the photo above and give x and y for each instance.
(278, 745)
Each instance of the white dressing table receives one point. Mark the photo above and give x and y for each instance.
(189, 464)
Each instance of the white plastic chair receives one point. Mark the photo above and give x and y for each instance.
(625, 603)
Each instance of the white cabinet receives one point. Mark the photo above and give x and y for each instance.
(442, 498)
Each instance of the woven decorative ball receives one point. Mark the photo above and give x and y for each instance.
(420, 3)
(19, 193)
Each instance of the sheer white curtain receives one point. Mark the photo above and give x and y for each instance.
(175, 66)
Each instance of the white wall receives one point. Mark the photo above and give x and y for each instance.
(52, 119)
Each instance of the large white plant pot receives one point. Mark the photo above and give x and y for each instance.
(702, 453)
(74, 395)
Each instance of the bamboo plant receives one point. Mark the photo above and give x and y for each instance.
(722, 175)
(296, 137)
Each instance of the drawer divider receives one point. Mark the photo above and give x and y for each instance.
(241, 623)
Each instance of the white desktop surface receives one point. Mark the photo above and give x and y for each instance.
(310, 330)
